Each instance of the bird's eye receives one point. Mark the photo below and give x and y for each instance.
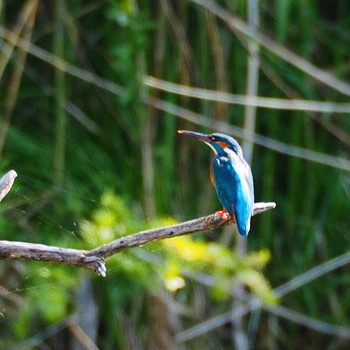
(212, 138)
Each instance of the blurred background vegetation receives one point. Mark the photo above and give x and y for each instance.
(92, 94)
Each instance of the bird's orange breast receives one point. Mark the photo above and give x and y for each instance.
(212, 176)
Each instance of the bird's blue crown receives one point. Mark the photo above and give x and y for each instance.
(225, 141)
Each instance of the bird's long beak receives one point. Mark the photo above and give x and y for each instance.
(202, 137)
(197, 135)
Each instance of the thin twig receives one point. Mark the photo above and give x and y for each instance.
(292, 104)
(284, 289)
(307, 321)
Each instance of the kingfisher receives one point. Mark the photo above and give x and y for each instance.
(231, 176)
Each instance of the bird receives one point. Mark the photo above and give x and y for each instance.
(231, 176)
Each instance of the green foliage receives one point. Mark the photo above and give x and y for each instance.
(193, 256)
(173, 258)
(70, 138)
(47, 300)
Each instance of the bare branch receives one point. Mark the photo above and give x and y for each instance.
(41, 252)
(94, 259)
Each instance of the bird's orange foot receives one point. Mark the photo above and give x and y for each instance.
(224, 214)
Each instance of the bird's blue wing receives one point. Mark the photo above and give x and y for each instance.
(234, 189)
(224, 181)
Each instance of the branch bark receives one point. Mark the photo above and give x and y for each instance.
(94, 259)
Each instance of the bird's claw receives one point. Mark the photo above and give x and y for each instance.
(224, 214)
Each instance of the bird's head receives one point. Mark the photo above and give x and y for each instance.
(218, 142)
